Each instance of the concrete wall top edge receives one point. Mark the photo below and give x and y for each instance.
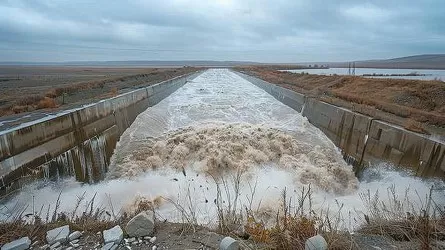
(424, 136)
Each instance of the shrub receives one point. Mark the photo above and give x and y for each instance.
(47, 102)
(114, 91)
(414, 126)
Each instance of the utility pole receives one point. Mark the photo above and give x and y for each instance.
(351, 68)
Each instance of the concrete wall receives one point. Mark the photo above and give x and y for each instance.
(361, 138)
(78, 143)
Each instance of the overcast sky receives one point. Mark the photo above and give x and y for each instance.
(250, 30)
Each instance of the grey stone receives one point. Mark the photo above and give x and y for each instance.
(55, 245)
(108, 246)
(141, 225)
(74, 235)
(316, 242)
(75, 245)
(130, 240)
(44, 247)
(114, 235)
(20, 244)
(229, 243)
(59, 234)
(153, 239)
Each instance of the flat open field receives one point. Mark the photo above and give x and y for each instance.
(417, 105)
(27, 88)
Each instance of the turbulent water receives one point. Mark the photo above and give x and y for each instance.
(221, 135)
(216, 150)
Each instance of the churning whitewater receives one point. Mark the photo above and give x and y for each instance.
(221, 136)
(219, 123)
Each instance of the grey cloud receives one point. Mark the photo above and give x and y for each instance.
(262, 30)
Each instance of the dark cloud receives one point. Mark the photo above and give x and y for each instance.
(260, 30)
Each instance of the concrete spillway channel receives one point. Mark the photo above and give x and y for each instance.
(220, 125)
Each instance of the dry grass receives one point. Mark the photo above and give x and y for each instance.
(292, 226)
(51, 91)
(92, 219)
(114, 91)
(419, 100)
(415, 126)
(47, 102)
(404, 220)
(294, 221)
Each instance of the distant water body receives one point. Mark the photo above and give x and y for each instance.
(421, 74)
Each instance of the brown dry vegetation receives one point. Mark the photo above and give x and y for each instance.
(27, 89)
(419, 100)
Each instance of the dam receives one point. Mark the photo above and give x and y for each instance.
(219, 134)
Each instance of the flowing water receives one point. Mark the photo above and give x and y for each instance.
(220, 138)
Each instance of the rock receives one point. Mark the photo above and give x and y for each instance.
(153, 239)
(154, 247)
(69, 248)
(55, 245)
(114, 235)
(228, 243)
(129, 240)
(75, 245)
(20, 244)
(141, 225)
(44, 247)
(316, 242)
(108, 246)
(59, 234)
(74, 241)
(74, 235)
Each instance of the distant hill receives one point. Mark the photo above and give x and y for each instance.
(433, 61)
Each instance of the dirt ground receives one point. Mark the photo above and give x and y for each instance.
(177, 236)
(417, 105)
(27, 88)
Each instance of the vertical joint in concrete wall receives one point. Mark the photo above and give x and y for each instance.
(303, 107)
(360, 166)
(435, 158)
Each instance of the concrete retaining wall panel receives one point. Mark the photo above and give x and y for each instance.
(97, 127)
(33, 135)
(5, 150)
(406, 148)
